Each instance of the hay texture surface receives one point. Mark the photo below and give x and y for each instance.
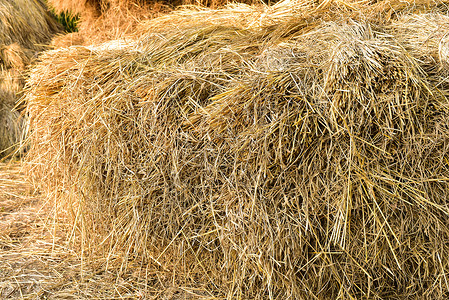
(103, 20)
(281, 160)
(25, 22)
(25, 27)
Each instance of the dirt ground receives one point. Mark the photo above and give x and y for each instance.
(37, 261)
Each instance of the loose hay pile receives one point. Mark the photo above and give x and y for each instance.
(103, 20)
(25, 22)
(287, 160)
(25, 27)
(94, 8)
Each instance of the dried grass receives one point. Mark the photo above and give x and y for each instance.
(273, 159)
(25, 28)
(38, 261)
(95, 8)
(25, 22)
(426, 37)
(104, 20)
(13, 61)
(11, 124)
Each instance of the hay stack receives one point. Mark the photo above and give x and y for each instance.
(103, 20)
(25, 27)
(293, 160)
(11, 128)
(25, 22)
(95, 8)
(426, 37)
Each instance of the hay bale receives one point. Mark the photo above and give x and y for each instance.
(425, 36)
(27, 23)
(13, 61)
(338, 141)
(11, 124)
(308, 166)
(25, 28)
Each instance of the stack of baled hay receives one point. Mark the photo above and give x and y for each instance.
(299, 151)
(25, 27)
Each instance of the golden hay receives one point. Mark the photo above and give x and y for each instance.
(95, 8)
(25, 22)
(13, 56)
(113, 21)
(426, 37)
(13, 62)
(25, 28)
(103, 20)
(67, 40)
(11, 125)
(283, 159)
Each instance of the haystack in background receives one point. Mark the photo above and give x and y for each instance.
(103, 20)
(11, 126)
(426, 37)
(259, 158)
(14, 59)
(25, 28)
(27, 23)
(91, 9)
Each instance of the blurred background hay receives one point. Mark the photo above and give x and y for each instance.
(281, 155)
(426, 37)
(11, 125)
(25, 28)
(27, 23)
(103, 20)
